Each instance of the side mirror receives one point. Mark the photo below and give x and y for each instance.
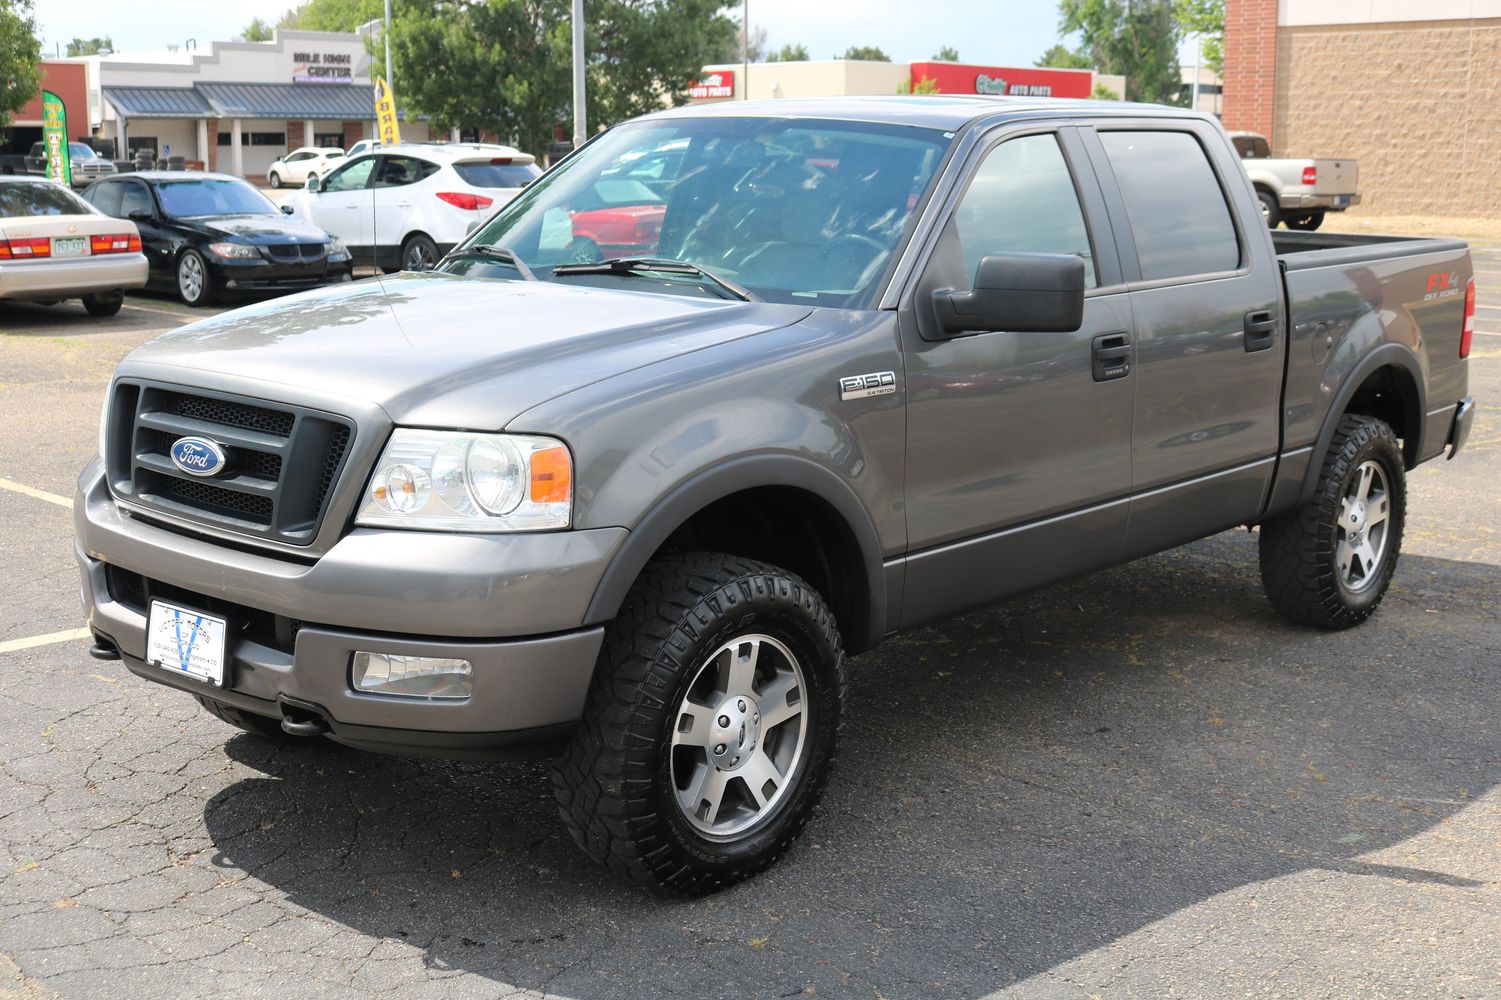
(1032, 292)
(473, 225)
(313, 185)
(142, 217)
(287, 210)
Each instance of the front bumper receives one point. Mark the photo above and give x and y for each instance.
(295, 627)
(71, 277)
(252, 275)
(1464, 421)
(1320, 202)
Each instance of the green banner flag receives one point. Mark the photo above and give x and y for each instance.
(55, 138)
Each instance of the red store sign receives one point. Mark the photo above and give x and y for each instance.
(720, 83)
(1004, 81)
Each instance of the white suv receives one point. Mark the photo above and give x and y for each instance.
(405, 206)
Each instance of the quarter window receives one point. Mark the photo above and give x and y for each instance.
(1022, 200)
(1179, 218)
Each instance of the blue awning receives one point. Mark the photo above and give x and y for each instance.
(157, 102)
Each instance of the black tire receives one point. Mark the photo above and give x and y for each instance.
(1270, 210)
(419, 253)
(200, 293)
(1301, 550)
(1308, 221)
(104, 303)
(275, 179)
(615, 782)
(582, 250)
(255, 725)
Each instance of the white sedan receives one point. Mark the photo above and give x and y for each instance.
(403, 207)
(300, 164)
(55, 246)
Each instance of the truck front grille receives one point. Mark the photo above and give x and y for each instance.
(282, 461)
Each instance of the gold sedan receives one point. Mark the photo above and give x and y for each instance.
(55, 246)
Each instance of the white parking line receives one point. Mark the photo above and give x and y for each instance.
(50, 638)
(185, 317)
(15, 487)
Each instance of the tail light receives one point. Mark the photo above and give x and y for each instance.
(116, 243)
(26, 249)
(468, 202)
(1467, 332)
(1310, 175)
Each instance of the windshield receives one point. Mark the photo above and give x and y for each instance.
(78, 151)
(212, 196)
(795, 210)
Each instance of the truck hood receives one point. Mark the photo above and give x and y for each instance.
(440, 350)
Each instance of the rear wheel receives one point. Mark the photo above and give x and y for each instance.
(419, 253)
(1329, 562)
(104, 303)
(711, 725)
(1270, 210)
(1308, 221)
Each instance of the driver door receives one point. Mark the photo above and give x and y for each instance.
(344, 207)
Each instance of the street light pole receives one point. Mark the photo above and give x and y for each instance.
(745, 50)
(390, 80)
(580, 126)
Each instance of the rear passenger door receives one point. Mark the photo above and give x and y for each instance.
(1208, 325)
(395, 197)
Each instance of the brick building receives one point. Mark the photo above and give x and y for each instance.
(1411, 88)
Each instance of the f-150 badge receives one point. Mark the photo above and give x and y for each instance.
(860, 386)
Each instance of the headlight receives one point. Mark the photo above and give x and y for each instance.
(233, 251)
(337, 250)
(454, 481)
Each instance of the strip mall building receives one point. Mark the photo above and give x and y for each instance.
(846, 77)
(1410, 88)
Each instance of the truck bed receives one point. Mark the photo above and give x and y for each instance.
(1299, 250)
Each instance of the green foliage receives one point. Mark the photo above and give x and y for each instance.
(20, 53)
(925, 85)
(797, 52)
(257, 31)
(505, 66)
(1104, 93)
(1206, 18)
(335, 15)
(1135, 38)
(1061, 56)
(89, 46)
(946, 54)
(867, 52)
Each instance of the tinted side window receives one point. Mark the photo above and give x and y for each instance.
(351, 177)
(397, 171)
(106, 197)
(135, 198)
(1179, 218)
(1023, 200)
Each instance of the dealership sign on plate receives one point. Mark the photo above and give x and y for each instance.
(718, 84)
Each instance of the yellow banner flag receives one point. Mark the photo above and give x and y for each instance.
(385, 114)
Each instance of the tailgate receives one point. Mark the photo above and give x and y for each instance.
(1335, 177)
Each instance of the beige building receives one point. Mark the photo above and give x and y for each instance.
(1410, 88)
(815, 78)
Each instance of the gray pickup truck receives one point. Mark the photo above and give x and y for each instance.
(851, 366)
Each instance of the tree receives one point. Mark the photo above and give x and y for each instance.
(797, 52)
(742, 49)
(257, 31)
(90, 46)
(334, 15)
(20, 58)
(1136, 38)
(1104, 93)
(947, 54)
(926, 85)
(1206, 18)
(1061, 56)
(867, 52)
(505, 66)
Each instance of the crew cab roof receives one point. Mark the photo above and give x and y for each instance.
(944, 111)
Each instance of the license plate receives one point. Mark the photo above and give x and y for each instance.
(70, 247)
(186, 641)
(1341, 200)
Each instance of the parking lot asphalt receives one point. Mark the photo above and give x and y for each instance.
(1142, 783)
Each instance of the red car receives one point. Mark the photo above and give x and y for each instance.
(618, 231)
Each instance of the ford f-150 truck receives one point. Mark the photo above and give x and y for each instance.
(887, 359)
(1297, 191)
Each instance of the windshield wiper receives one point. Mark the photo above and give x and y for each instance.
(493, 252)
(665, 265)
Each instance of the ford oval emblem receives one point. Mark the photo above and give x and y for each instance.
(198, 456)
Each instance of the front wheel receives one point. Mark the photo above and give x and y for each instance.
(1329, 562)
(1270, 210)
(275, 179)
(711, 725)
(194, 282)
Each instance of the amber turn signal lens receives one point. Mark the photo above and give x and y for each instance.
(552, 476)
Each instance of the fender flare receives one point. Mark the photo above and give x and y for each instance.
(734, 476)
(1385, 356)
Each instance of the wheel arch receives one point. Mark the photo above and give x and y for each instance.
(1388, 385)
(781, 509)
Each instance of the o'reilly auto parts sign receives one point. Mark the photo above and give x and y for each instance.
(720, 83)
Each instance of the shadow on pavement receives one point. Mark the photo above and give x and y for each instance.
(1016, 787)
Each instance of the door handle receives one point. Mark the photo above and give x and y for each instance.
(1112, 356)
(1261, 326)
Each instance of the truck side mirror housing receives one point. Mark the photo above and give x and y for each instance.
(1032, 292)
(313, 185)
(142, 217)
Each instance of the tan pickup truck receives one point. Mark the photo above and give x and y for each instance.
(1296, 191)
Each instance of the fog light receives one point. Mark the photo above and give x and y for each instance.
(412, 676)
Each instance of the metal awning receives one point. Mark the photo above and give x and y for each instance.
(289, 101)
(157, 102)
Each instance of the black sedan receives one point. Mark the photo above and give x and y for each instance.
(209, 236)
